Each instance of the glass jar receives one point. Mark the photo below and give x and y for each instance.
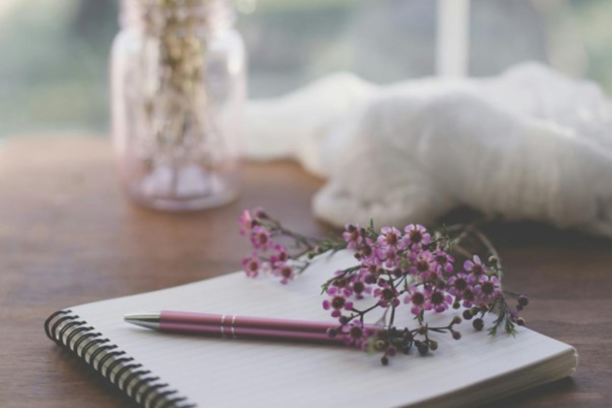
(177, 90)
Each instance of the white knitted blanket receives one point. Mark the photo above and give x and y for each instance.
(529, 144)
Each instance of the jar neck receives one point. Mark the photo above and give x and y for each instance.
(158, 16)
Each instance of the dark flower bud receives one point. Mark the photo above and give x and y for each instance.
(343, 320)
(338, 302)
(456, 335)
(384, 360)
(474, 310)
(422, 330)
(478, 324)
(433, 345)
(456, 320)
(423, 348)
(456, 305)
(332, 332)
(520, 321)
(523, 300)
(484, 308)
(467, 315)
(358, 287)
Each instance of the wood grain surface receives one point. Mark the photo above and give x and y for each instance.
(69, 236)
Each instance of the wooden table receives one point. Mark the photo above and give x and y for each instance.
(68, 236)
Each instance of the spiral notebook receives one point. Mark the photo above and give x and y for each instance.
(160, 370)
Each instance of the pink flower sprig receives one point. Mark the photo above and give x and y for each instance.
(412, 271)
(270, 256)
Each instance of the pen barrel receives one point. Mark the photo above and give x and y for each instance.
(227, 322)
(232, 326)
(246, 332)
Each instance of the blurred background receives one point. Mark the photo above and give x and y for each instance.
(53, 54)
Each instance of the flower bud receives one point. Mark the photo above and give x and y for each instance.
(478, 324)
(423, 348)
(467, 315)
(358, 287)
(456, 320)
(523, 300)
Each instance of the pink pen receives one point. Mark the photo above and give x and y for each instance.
(232, 326)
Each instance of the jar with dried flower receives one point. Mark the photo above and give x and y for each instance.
(177, 90)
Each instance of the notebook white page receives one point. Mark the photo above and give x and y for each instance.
(245, 373)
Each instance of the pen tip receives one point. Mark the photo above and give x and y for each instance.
(147, 319)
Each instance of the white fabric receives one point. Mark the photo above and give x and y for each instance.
(529, 144)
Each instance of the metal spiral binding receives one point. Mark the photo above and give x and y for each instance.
(73, 334)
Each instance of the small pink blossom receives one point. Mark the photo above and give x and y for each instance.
(368, 253)
(389, 237)
(458, 284)
(422, 266)
(468, 297)
(389, 257)
(442, 261)
(260, 238)
(337, 302)
(475, 267)
(246, 222)
(417, 299)
(488, 288)
(387, 295)
(281, 256)
(416, 236)
(437, 300)
(352, 236)
(252, 265)
(355, 334)
(285, 272)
